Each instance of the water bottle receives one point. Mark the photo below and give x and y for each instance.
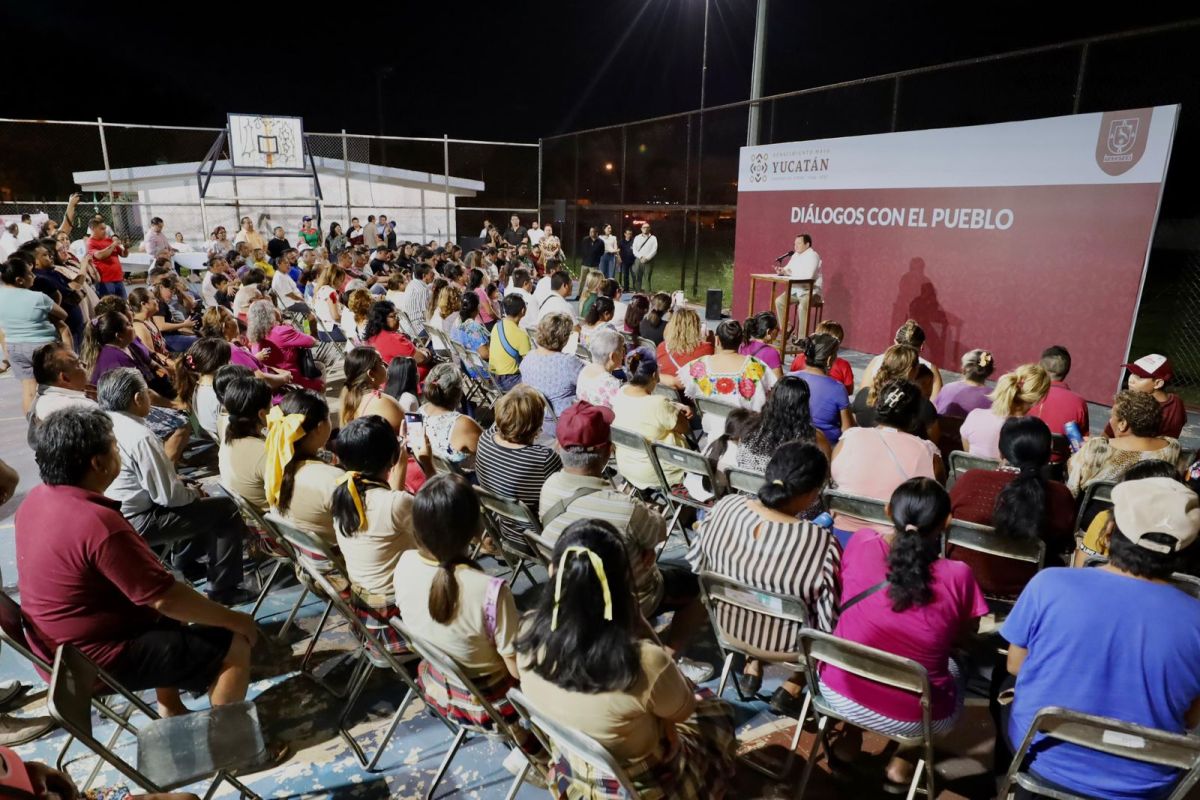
(823, 520)
(1073, 436)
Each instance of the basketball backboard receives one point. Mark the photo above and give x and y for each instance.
(261, 142)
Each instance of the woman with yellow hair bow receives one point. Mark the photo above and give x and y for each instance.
(298, 484)
(590, 662)
(372, 515)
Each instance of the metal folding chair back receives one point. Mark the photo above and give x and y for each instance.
(583, 352)
(12, 632)
(217, 740)
(572, 743)
(715, 408)
(984, 539)
(854, 505)
(410, 328)
(440, 342)
(876, 666)
(1096, 492)
(1112, 736)
(744, 481)
(519, 518)
(690, 462)
(1186, 583)
(667, 392)
(281, 552)
(961, 461)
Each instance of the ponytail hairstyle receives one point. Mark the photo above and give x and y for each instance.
(729, 335)
(978, 365)
(204, 357)
(898, 363)
(820, 350)
(103, 330)
(446, 518)
(796, 469)
(357, 367)
(582, 635)
(1020, 511)
(246, 400)
(601, 307)
(919, 509)
(641, 366)
(911, 334)
(314, 410)
(1020, 390)
(434, 291)
(368, 448)
(660, 304)
(138, 298)
(759, 326)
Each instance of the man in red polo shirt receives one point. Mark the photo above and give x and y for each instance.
(1060, 405)
(87, 579)
(106, 252)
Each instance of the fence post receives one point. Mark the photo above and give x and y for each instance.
(1083, 60)
(895, 103)
(107, 171)
(446, 175)
(346, 177)
(537, 215)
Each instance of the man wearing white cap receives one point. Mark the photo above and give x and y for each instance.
(1116, 641)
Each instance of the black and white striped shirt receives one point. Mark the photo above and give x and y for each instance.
(514, 473)
(795, 559)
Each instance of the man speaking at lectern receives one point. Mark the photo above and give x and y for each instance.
(803, 263)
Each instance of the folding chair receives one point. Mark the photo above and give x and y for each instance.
(314, 556)
(1186, 583)
(476, 388)
(440, 342)
(520, 522)
(558, 738)
(725, 598)
(853, 505)
(644, 342)
(878, 667)
(1096, 492)
(502, 730)
(743, 480)
(581, 351)
(323, 346)
(481, 374)
(410, 328)
(443, 465)
(1107, 735)
(984, 539)
(707, 406)
(622, 437)
(280, 552)
(216, 741)
(12, 635)
(667, 392)
(961, 461)
(692, 463)
(377, 657)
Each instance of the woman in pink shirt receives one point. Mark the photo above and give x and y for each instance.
(872, 462)
(488, 313)
(900, 596)
(278, 345)
(1016, 392)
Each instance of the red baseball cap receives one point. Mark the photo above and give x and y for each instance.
(584, 428)
(1153, 366)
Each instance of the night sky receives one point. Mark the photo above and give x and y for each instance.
(504, 71)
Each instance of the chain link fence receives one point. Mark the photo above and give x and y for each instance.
(434, 189)
(679, 172)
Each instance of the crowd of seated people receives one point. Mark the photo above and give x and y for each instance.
(547, 413)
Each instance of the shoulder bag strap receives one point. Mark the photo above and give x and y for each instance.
(490, 599)
(863, 595)
(558, 509)
(508, 348)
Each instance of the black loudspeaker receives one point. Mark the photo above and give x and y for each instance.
(560, 211)
(712, 304)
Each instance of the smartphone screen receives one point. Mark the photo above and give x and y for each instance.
(416, 426)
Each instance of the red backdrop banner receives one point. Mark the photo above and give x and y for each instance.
(1011, 268)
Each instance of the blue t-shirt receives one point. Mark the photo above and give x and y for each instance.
(826, 399)
(25, 316)
(1110, 645)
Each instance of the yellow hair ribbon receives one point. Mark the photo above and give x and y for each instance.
(597, 565)
(283, 431)
(348, 480)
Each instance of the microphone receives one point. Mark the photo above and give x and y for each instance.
(785, 255)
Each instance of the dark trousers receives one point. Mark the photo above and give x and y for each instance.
(210, 525)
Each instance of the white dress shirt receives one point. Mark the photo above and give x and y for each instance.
(283, 286)
(806, 265)
(556, 304)
(54, 398)
(533, 308)
(645, 247)
(542, 290)
(535, 235)
(147, 477)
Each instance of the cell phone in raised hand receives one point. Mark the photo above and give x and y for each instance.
(416, 426)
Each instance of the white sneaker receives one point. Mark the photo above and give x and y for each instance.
(516, 761)
(19, 730)
(695, 671)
